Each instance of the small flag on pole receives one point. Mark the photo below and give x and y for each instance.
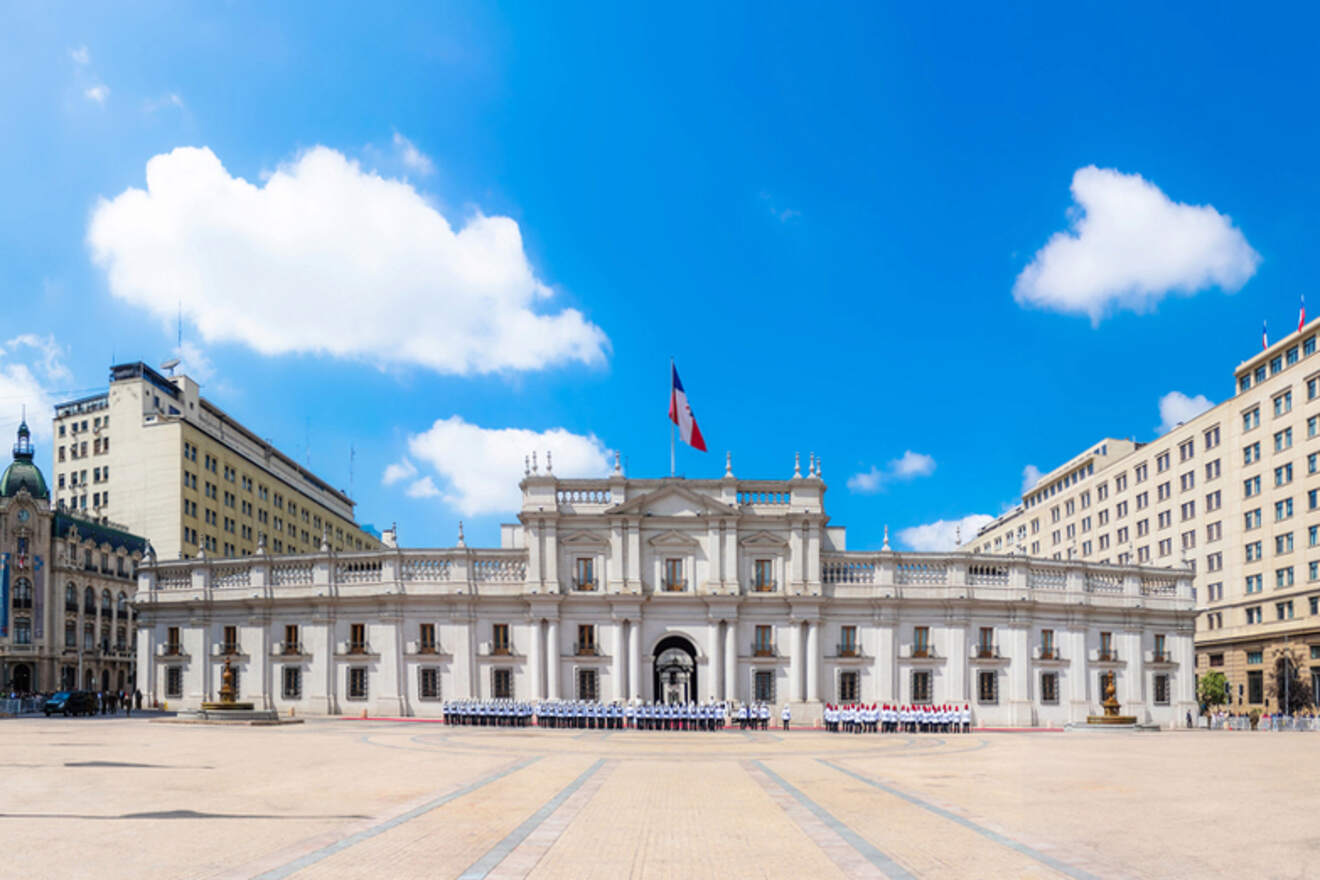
(1264, 335)
(1301, 316)
(681, 414)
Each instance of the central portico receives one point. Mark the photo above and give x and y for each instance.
(692, 587)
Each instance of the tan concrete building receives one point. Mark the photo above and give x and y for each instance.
(152, 453)
(1234, 493)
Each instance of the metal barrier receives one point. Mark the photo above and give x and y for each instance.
(20, 705)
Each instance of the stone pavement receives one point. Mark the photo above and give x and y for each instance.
(114, 797)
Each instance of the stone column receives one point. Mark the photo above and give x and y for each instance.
(1079, 675)
(634, 659)
(620, 688)
(552, 660)
(716, 651)
(884, 664)
(795, 661)
(1019, 676)
(535, 656)
(731, 660)
(813, 661)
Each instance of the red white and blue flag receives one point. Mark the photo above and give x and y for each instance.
(1301, 316)
(1264, 335)
(681, 414)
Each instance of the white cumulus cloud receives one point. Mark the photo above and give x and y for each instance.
(32, 368)
(326, 258)
(1176, 407)
(413, 158)
(943, 534)
(909, 466)
(97, 93)
(479, 468)
(1030, 477)
(81, 56)
(1128, 246)
(398, 472)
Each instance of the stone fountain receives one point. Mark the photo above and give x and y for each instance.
(228, 708)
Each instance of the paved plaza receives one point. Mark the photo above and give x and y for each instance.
(140, 798)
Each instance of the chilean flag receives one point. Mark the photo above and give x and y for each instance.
(681, 414)
(1264, 336)
(1301, 316)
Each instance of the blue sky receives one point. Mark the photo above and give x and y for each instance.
(444, 238)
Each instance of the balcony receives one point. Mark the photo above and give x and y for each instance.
(173, 649)
(586, 649)
(71, 607)
(922, 652)
(1048, 652)
(849, 649)
(763, 649)
(986, 652)
(584, 586)
(763, 587)
(674, 586)
(501, 649)
(289, 648)
(357, 648)
(427, 648)
(89, 608)
(1106, 655)
(1161, 657)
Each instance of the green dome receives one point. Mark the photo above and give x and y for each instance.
(22, 473)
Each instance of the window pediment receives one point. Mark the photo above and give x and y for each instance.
(766, 541)
(674, 540)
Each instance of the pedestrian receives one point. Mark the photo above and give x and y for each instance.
(785, 716)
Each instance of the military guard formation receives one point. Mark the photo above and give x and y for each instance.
(877, 718)
(592, 715)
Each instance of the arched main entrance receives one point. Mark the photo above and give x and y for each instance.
(674, 676)
(22, 680)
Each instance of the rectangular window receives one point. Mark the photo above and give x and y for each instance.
(1107, 647)
(1162, 462)
(987, 686)
(1187, 481)
(921, 641)
(1213, 501)
(1161, 690)
(230, 640)
(1253, 614)
(174, 681)
(1283, 403)
(588, 685)
(848, 641)
(357, 638)
(764, 643)
(291, 682)
(764, 685)
(1251, 486)
(1283, 475)
(921, 686)
(357, 682)
(426, 638)
(586, 643)
(985, 642)
(1283, 543)
(1211, 437)
(1283, 509)
(1253, 551)
(1255, 686)
(1284, 610)
(849, 691)
(1283, 577)
(1251, 419)
(501, 683)
(584, 574)
(763, 575)
(674, 575)
(499, 639)
(1049, 688)
(1253, 583)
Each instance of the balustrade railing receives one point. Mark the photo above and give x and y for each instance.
(499, 570)
(424, 568)
(232, 576)
(358, 571)
(1047, 579)
(583, 496)
(936, 573)
(1101, 582)
(837, 571)
(987, 575)
(291, 573)
(752, 497)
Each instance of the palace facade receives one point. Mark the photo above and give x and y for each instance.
(669, 589)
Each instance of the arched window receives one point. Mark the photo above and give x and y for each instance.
(70, 634)
(121, 639)
(122, 604)
(105, 601)
(22, 594)
(89, 638)
(71, 598)
(89, 600)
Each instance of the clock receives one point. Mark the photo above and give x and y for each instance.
(23, 515)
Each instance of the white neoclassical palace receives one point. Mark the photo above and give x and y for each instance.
(670, 589)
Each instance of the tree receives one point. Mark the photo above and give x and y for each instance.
(1286, 687)
(1212, 690)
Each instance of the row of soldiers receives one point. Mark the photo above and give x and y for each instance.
(886, 718)
(590, 715)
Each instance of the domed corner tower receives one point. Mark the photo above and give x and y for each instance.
(22, 472)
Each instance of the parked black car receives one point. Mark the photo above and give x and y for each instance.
(70, 703)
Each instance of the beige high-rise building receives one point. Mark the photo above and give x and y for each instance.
(152, 453)
(1235, 493)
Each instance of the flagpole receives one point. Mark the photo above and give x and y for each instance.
(671, 421)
